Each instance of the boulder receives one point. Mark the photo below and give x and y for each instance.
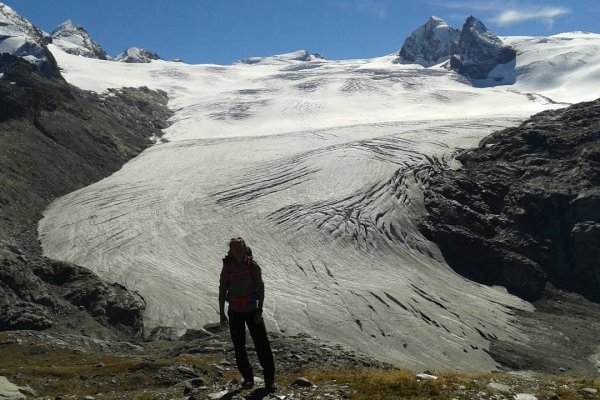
(9, 391)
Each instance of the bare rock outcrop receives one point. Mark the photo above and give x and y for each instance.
(524, 210)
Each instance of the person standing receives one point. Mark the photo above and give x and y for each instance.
(241, 285)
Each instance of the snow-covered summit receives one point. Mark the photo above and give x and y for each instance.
(14, 25)
(76, 40)
(20, 38)
(300, 55)
(479, 52)
(137, 55)
(430, 44)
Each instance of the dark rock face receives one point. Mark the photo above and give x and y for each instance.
(54, 139)
(479, 51)
(111, 303)
(525, 208)
(430, 44)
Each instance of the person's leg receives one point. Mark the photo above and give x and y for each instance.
(237, 329)
(263, 348)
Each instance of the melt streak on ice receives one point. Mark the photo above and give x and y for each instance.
(318, 165)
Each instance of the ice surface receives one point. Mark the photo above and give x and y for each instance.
(319, 166)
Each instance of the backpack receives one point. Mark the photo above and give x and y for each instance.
(252, 297)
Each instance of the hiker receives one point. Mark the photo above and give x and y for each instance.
(242, 286)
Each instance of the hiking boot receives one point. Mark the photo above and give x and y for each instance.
(270, 385)
(247, 384)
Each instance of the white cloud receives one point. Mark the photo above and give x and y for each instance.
(372, 7)
(509, 12)
(545, 15)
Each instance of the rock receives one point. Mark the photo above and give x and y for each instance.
(9, 391)
(303, 382)
(515, 216)
(164, 333)
(218, 395)
(589, 391)
(552, 396)
(430, 44)
(426, 377)
(525, 396)
(82, 288)
(479, 52)
(499, 387)
(195, 334)
(192, 383)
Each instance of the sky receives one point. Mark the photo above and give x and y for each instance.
(224, 31)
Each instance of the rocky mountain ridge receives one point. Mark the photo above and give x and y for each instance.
(479, 52)
(22, 38)
(76, 40)
(430, 44)
(474, 51)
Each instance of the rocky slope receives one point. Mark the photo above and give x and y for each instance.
(524, 208)
(55, 138)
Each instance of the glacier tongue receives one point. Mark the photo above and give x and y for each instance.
(330, 217)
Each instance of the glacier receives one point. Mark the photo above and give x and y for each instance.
(318, 164)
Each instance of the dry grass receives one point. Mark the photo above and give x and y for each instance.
(145, 375)
(402, 384)
(55, 372)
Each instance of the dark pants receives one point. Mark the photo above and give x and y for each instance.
(237, 322)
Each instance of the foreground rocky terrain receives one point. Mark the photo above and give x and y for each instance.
(42, 365)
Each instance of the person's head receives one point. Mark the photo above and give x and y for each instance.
(237, 249)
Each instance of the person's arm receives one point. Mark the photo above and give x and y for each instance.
(260, 287)
(222, 294)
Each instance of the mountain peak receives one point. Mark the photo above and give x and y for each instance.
(479, 52)
(137, 55)
(74, 39)
(68, 25)
(14, 25)
(20, 38)
(430, 44)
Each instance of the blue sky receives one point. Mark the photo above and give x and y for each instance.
(223, 31)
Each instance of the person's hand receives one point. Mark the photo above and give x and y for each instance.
(224, 321)
(259, 319)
